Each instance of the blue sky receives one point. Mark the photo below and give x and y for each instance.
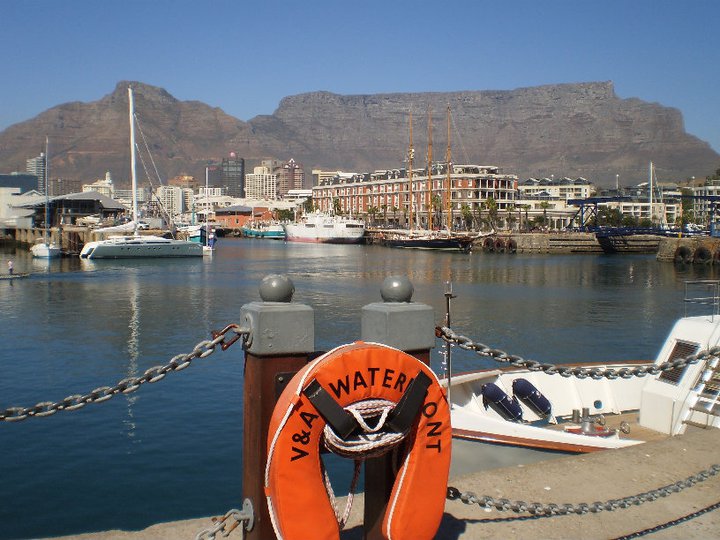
(245, 55)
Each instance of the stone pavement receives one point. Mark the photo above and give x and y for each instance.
(587, 478)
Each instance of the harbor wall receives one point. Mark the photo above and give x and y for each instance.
(693, 249)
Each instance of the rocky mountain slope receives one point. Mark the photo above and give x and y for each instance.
(565, 130)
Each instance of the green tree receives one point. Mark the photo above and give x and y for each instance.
(491, 206)
(436, 204)
(467, 216)
(371, 212)
(336, 206)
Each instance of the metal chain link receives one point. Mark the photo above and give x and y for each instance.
(130, 384)
(540, 509)
(580, 372)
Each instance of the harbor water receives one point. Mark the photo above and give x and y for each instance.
(172, 450)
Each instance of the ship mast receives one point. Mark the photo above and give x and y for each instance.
(428, 195)
(448, 159)
(411, 154)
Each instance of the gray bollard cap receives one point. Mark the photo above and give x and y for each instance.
(397, 289)
(276, 288)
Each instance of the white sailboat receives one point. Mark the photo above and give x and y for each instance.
(137, 245)
(44, 248)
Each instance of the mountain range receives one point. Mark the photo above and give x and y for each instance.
(573, 130)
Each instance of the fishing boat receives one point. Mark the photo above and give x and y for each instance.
(44, 248)
(263, 229)
(137, 245)
(320, 227)
(417, 238)
(519, 415)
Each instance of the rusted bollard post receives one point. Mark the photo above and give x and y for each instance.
(410, 327)
(282, 335)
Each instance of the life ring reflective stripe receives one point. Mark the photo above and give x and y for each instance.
(294, 485)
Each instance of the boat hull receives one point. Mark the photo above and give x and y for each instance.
(45, 251)
(325, 229)
(134, 247)
(447, 244)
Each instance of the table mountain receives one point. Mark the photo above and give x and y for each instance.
(570, 130)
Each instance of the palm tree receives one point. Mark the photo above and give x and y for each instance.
(466, 213)
(436, 203)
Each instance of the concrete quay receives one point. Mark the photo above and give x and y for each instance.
(601, 476)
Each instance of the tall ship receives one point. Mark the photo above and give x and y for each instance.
(324, 228)
(416, 238)
(137, 245)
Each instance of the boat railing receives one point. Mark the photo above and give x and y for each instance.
(703, 292)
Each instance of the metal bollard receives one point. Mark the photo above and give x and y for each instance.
(410, 327)
(282, 338)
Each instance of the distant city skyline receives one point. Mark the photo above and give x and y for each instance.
(244, 57)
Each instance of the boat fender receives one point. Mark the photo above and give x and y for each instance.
(531, 397)
(496, 398)
(319, 395)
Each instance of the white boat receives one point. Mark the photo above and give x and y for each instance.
(44, 248)
(325, 228)
(137, 245)
(515, 415)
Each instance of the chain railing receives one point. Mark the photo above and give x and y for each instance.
(552, 509)
(130, 384)
(580, 372)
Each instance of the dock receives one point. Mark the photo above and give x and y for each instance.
(600, 476)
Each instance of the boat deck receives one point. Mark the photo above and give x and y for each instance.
(637, 432)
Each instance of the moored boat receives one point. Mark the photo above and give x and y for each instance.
(263, 229)
(520, 415)
(136, 245)
(325, 228)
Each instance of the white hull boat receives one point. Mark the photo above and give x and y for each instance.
(44, 250)
(137, 245)
(126, 247)
(325, 228)
(516, 415)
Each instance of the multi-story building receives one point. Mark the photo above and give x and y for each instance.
(233, 175)
(423, 204)
(103, 186)
(291, 176)
(565, 188)
(37, 166)
(173, 199)
(261, 184)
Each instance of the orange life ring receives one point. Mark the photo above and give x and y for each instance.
(297, 498)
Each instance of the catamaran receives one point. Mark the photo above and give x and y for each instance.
(137, 245)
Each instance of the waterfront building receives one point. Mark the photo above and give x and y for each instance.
(564, 188)
(387, 193)
(261, 184)
(37, 167)
(703, 206)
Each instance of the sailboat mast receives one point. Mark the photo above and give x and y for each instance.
(47, 197)
(428, 195)
(411, 154)
(448, 187)
(650, 190)
(131, 114)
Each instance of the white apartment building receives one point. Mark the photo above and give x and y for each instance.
(261, 184)
(104, 186)
(565, 188)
